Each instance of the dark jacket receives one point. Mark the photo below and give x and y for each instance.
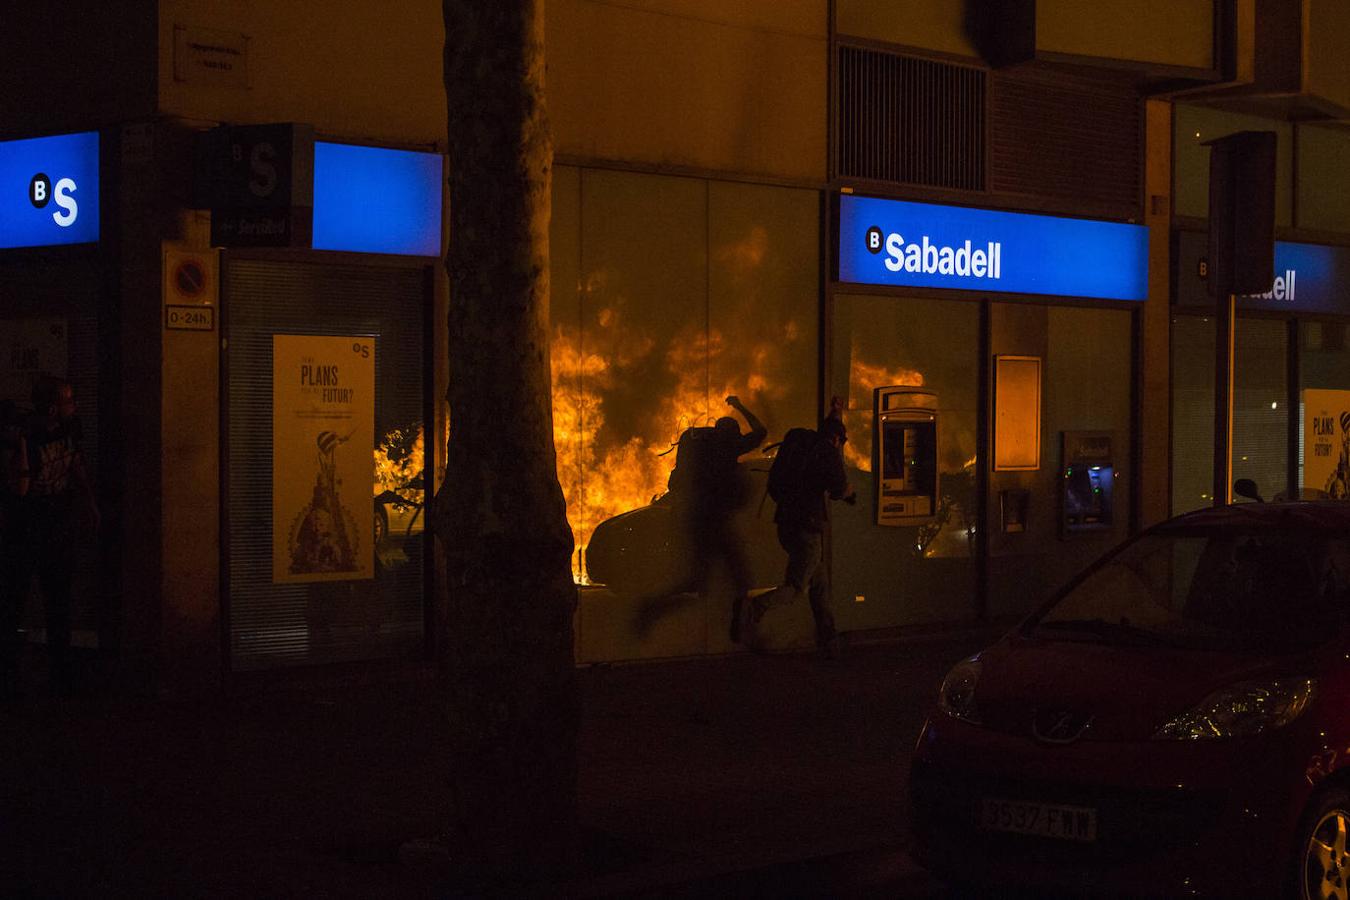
(707, 479)
(804, 504)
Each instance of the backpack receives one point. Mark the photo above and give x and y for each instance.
(791, 463)
(700, 462)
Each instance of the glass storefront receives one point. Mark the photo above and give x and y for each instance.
(1294, 332)
(1046, 524)
(670, 294)
(887, 576)
(924, 573)
(1324, 365)
(1260, 408)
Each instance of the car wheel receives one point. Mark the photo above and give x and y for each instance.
(1322, 860)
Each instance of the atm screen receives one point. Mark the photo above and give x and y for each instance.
(893, 450)
(1087, 496)
(907, 456)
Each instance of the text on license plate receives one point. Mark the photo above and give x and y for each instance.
(1074, 823)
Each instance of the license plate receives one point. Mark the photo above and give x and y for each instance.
(1073, 823)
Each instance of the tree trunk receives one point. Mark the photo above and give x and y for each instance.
(500, 516)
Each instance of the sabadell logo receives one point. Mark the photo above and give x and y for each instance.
(41, 191)
(924, 256)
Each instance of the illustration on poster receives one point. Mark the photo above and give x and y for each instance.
(324, 537)
(1338, 483)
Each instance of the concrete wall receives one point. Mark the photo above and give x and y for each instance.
(1322, 198)
(1166, 32)
(74, 65)
(366, 70)
(931, 24)
(691, 85)
(1163, 32)
(1327, 44)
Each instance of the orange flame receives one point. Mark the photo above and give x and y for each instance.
(864, 378)
(393, 474)
(602, 477)
(609, 443)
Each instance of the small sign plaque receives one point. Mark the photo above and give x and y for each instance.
(190, 318)
(208, 56)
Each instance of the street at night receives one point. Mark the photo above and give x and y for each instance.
(769, 775)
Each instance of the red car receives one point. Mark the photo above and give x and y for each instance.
(1175, 722)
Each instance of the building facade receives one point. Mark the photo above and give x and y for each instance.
(720, 169)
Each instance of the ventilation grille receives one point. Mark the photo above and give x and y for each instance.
(910, 120)
(1077, 138)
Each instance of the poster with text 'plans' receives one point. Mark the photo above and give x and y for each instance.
(323, 440)
(1326, 443)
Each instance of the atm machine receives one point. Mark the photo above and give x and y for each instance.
(1088, 482)
(905, 455)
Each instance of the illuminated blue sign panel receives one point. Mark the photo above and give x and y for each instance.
(902, 244)
(1308, 278)
(374, 200)
(49, 191)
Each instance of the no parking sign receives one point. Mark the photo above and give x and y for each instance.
(189, 281)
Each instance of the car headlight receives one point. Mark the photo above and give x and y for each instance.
(1241, 710)
(956, 697)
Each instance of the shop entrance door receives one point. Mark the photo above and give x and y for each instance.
(325, 548)
(50, 325)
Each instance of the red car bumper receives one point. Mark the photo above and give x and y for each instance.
(1169, 818)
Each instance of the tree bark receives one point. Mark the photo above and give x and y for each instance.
(500, 517)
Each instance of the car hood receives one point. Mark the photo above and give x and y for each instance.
(1063, 690)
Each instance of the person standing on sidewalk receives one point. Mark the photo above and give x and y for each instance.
(810, 473)
(13, 543)
(60, 509)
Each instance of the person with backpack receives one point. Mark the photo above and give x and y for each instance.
(806, 474)
(708, 487)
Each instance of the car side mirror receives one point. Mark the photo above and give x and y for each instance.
(1245, 487)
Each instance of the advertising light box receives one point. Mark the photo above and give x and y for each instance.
(49, 191)
(376, 200)
(903, 244)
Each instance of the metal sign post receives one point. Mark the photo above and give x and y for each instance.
(1242, 261)
(1224, 332)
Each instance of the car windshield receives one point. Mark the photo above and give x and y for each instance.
(1214, 589)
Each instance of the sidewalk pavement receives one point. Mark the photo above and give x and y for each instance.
(697, 777)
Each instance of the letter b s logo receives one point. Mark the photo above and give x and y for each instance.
(262, 163)
(39, 190)
(874, 239)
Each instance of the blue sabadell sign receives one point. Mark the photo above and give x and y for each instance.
(903, 244)
(1309, 278)
(49, 191)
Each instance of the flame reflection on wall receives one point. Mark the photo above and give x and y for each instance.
(603, 473)
(863, 378)
(603, 476)
(399, 459)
